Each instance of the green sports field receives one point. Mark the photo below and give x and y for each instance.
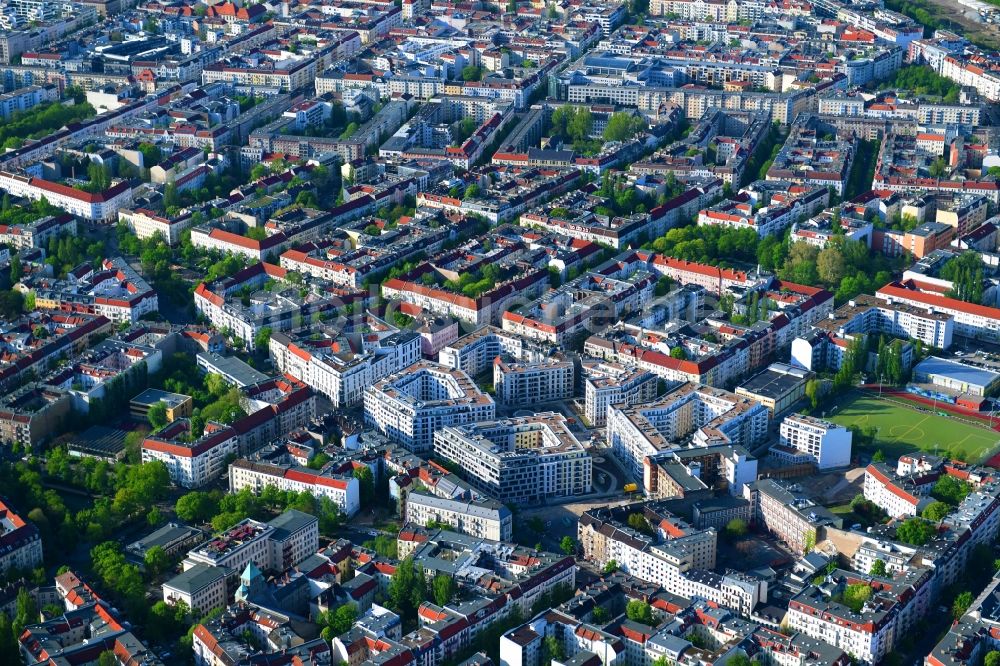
(901, 429)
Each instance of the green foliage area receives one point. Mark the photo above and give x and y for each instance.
(915, 531)
(877, 568)
(950, 490)
(855, 595)
(736, 528)
(640, 611)
(935, 511)
(638, 522)
(472, 73)
(624, 126)
(924, 81)
(42, 120)
(966, 272)
(386, 546)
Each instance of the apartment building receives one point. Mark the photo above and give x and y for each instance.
(20, 542)
(788, 514)
(870, 315)
(523, 459)
(606, 383)
(898, 494)
(474, 353)
(146, 224)
(38, 232)
(484, 518)
(342, 489)
(339, 370)
(96, 207)
(869, 635)
(708, 415)
(970, 320)
(202, 588)
(531, 383)
(809, 439)
(191, 464)
(409, 407)
(676, 557)
(272, 546)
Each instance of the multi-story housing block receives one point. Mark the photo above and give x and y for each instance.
(524, 459)
(409, 407)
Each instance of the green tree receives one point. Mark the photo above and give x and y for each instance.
(610, 567)
(568, 545)
(638, 522)
(878, 456)
(195, 507)
(338, 621)
(472, 73)
(552, 650)
(951, 490)
(443, 588)
(156, 560)
(961, 604)
(915, 531)
(623, 126)
(157, 415)
(855, 595)
(877, 568)
(263, 338)
(813, 388)
(936, 511)
(736, 528)
(678, 353)
(640, 611)
(366, 481)
(992, 658)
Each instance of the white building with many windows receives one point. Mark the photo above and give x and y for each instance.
(606, 383)
(337, 369)
(523, 459)
(410, 406)
(343, 490)
(486, 518)
(707, 415)
(808, 439)
(532, 383)
(191, 464)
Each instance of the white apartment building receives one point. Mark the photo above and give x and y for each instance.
(815, 440)
(710, 415)
(146, 224)
(971, 320)
(680, 561)
(342, 490)
(524, 459)
(889, 493)
(532, 383)
(202, 588)
(191, 464)
(96, 207)
(274, 546)
(38, 232)
(475, 352)
(410, 406)
(607, 384)
(343, 376)
(484, 518)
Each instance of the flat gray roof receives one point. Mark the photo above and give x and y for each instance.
(959, 372)
(196, 578)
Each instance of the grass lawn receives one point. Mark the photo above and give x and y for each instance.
(901, 429)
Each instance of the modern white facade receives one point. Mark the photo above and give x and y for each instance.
(409, 407)
(822, 442)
